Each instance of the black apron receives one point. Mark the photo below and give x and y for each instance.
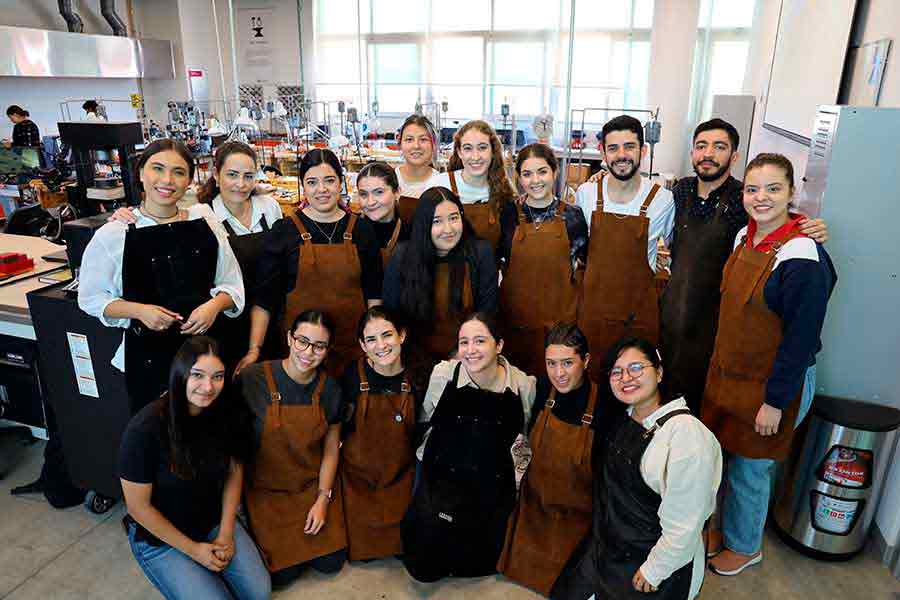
(173, 266)
(690, 303)
(626, 526)
(456, 523)
(248, 249)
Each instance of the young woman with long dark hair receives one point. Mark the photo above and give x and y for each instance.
(440, 274)
(181, 464)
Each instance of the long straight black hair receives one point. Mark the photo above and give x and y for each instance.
(417, 293)
(220, 433)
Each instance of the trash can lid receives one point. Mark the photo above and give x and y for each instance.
(856, 414)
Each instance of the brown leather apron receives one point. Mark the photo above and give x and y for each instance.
(377, 470)
(284, 483)
(328, 280)
(554, 511)
(406, 207)
(388, 250)
(746, 344)
(484, 216)
(443, 338)
(619, 296)
(539, 288)
(689, 306)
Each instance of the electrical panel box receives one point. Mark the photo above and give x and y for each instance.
(851, 181)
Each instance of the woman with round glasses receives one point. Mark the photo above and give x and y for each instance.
(294, 505)
(655, 481)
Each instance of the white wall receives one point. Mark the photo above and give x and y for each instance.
(672, 44)
(41, 96)
(881, 19)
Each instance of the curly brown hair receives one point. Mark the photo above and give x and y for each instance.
(498, 182)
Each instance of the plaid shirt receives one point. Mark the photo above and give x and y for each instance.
(26, 133)
(686, 199)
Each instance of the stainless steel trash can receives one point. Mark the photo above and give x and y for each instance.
(823, 500)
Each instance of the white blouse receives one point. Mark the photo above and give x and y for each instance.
(262, 204)
(100, 277)
(683, 464)
(516, 381)
(413, 189)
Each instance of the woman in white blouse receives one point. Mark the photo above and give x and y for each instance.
(418, 144)
(163, 283)
(655, 484)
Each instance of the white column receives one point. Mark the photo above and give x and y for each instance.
(672, 45)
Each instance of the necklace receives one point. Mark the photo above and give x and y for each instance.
(157, 217)
(534, 219)
(322, 231)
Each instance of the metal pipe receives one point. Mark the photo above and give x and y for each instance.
(563, 191)
(221, 62)
(73, 21)
(108, 10)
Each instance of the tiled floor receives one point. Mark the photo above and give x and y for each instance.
(72, 554)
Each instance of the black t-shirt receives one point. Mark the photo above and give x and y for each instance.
(385, 231)
(378, 384)
(570, 407)
(256, 394)
(277, 269)
(482, 276)
(193, 506)
(576, 227)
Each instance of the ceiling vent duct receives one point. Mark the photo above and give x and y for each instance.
(108, 10)
(73, 21)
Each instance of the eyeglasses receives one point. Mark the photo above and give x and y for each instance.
(302, 344)
(634, 371)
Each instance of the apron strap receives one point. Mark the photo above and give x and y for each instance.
(319, 387)
(662, 421)
(394, 237)
(132, 227)
(274, 394)
(586, 420)
(649, 199)
(519, 233)
(228, 228)
(264, 222)
(406, 393)
(363, 405)
(541, 425)
(305, 238)
(452, 176)
(600, 191)
(348, 233)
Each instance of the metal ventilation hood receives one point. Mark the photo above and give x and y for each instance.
(46, 53)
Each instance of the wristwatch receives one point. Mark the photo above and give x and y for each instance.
(329, 493)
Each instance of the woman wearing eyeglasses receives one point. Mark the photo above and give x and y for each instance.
(296, 511)
(655, 481)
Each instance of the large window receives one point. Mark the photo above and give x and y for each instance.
(477, 55)
(720, 59)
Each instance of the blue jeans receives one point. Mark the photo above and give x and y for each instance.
(748, 488)
(177, 576)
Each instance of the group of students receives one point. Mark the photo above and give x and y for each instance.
(404, 448)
